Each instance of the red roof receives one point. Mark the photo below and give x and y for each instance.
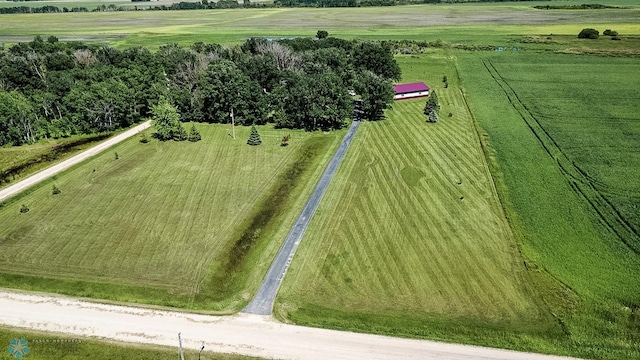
(409, 88)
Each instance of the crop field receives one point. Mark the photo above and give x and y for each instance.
(456, 23)
(411, 238)
(566, 152)
(159, 224)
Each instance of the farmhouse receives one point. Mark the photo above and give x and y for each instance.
(412, 90)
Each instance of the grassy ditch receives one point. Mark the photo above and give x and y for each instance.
(228, 276)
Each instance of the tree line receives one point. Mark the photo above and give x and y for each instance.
(207, 5)
(53, 89)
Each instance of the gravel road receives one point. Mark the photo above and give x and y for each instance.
(247, 334)
(262, 303)
(58, 168)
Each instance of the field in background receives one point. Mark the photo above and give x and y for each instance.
(158, 224)
(471, 24)
(411, 238)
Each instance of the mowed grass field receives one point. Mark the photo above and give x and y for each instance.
(411, 238)
(159, 224)
(566, 160)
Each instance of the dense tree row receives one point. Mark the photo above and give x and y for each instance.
(55, 89)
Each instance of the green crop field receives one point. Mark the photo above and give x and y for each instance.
(158, 224)
(567, 150)
(457, 23)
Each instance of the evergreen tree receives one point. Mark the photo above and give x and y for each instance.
(431, 107)
(254, 137)
(194, 134)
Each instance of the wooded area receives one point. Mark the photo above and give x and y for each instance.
(53, 89)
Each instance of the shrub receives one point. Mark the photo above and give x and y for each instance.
(24, 209)
(610, 32)
(116, 156)
(589, 33)
(144, 138)
(285, 140)
(55, 190)
(322, 34)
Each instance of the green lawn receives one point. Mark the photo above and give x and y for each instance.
(411, 238)
(162, 224)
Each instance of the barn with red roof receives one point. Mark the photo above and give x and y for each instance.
(411, 90)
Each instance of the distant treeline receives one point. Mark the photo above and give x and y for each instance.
(233, 4)
(577, 7)
(53, 89)
(40, 10)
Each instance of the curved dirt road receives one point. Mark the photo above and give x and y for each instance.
(57, 168)
(243, 334)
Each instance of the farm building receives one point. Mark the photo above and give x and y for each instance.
(412, 90)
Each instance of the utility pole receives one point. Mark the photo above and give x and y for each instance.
(233, 125)
(181, 351)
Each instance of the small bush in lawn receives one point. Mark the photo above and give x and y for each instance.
(285, 140)
(450, 114)
(24, 209)
(589, 33)
(610, 32)
(55, 190)
(116, 156)
(144, 138)
(444, 79)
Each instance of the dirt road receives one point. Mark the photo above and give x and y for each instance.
(243, 334)
(58, 168)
